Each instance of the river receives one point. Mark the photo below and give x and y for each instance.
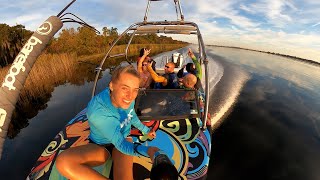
(266, 111)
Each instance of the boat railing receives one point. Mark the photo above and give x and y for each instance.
(117, 55)
(164, 61)
(179, 13)
(167, 27)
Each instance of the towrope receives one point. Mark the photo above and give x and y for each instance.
(18, 63)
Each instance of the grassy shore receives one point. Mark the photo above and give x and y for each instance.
(55, 69)
(51, 70)
(133, 52)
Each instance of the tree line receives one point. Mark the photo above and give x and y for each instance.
(81, 41)
(12, 40)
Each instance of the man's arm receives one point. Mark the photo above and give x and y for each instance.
(198, 67)
(156, 77)
(196, 63)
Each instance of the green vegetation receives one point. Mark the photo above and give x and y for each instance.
(70, 58)
(84, 41)
(11, 41)
(81, 41)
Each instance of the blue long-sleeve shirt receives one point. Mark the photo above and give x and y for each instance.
(109, 124)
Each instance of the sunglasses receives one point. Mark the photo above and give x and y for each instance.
(144, 64)
(167, 66)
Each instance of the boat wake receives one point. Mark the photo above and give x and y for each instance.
(226, 82)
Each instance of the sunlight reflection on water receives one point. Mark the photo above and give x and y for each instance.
(272, 132)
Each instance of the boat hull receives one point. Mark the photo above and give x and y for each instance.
(183, 141)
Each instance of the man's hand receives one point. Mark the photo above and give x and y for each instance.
(152, 134)
(151, 151)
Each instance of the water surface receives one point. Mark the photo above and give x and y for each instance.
(272, 132)
(267, 109)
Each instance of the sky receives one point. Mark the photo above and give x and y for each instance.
(289, 27)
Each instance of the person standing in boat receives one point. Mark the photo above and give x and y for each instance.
(145, 76)
(110, 116)
(167, 81)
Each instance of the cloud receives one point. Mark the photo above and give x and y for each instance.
(247, 9)
(275, 12)
(295, 44)
(26, 19)
(227, 10)
(284, 26)
(316, 24)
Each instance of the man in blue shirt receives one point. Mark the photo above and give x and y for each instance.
(167, 81)
(110, 115)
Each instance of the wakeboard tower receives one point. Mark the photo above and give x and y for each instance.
(180, 126)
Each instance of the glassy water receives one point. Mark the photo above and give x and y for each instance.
(272, 131)
(269, 106)
(20, 153)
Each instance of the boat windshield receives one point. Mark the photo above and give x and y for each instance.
(167, 104)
